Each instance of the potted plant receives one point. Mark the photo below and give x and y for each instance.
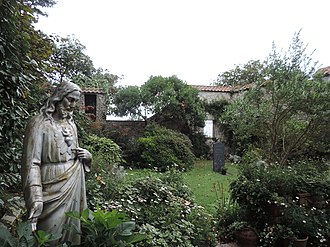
(298, 219)
(277, 235)
(245, 234)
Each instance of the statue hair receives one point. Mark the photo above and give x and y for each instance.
(61, 91)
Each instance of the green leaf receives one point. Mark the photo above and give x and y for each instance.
(85, 214)
(24, 230)
(23, 242)
(6, 238)
(126, 228)
(73, 215)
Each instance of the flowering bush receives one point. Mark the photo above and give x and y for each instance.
(163, 207)
(262, 187)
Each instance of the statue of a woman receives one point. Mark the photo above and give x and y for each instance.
(53, 165)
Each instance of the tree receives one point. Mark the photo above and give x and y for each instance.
(69, 60)
(168, 98)
(251, 72)
(23, 55)
(283, 114)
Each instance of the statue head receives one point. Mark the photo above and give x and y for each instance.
(58, 100)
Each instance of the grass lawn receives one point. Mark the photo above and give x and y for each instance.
(207, 185)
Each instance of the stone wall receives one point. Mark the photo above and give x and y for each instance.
(132, 129)
(101, 108)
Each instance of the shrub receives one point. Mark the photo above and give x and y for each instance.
(262, 185)
(104, 147)
(127, 143)
(106, 228)
(104, 185)
(106, 176)
(164, 209)
(163, 149)
(200, 148)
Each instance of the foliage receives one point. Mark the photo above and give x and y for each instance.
(129, 101)
(103, 185)
(300, 221)
(199, 145)
(163, 208)
(69, 60)
(289, 109)
(251, 72)
(168, 98)
(105, 147)
(262, 187)
(163, 149)
(273, 235)
(106, 175)
(106, 228)
(23, 53)
(25, 237)
(101, 79)
(216, 107)
(228, 215)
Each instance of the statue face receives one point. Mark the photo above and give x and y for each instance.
(69, 102)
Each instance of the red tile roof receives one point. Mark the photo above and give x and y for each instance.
(225, 89)
(325, 70)
(93, 90)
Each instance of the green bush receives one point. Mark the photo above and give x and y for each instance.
(104, 147)
(106, 228)
(106, 175)
(263, 186)
(164, 149)
(200, 148)
(163, 207)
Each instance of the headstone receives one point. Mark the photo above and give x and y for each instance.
(218, 156)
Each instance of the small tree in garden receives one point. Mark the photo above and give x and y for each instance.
(250, 72)
(284, 113)
(169, 98)
(68, 59)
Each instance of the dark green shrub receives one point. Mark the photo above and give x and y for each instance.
(127, 143)
(164, 149)
(200, 148)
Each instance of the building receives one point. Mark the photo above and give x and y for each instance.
(210, 94)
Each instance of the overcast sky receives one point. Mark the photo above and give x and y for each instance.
(193, 39)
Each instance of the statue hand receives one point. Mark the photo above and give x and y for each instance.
(35, 212)
(83, 154)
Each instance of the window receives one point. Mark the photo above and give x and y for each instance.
(90, 105)
(208, 129)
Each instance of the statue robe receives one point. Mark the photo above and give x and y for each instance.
(51, 173)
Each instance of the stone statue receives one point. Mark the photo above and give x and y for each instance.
(53, 165)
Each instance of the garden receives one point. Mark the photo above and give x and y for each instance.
(159, 189)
